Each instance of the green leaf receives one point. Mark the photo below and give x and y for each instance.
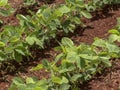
(3, 2)
(46, 64)
(67, 42)
(64, 80)
(21, 17)
(1, 22)
(6, 12)
(17, 56)
(107, 63)
(112, 48)
(30, 40)
(59, 57)
(2, 44)
(56, 79)
(72, 56)
(18, 81)
(20, 52)
(75, 77)
(29, 80)
(64, 9)
(64, 87)
(14, 39)
(114, 31)
(113, 38)
(99, 43)
(67, 66)
(38, 67)
(88, 57)
(86, 14)
(38, 42)
(80, 63)
(76, 20)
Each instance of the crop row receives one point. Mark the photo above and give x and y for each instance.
(42, 26)
(74, 65)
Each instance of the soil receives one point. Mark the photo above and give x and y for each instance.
(98, 26)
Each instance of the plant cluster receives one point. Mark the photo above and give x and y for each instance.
(42, 26)
(5, 8)
(74, 65)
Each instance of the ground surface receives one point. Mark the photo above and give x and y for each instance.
(97, 27)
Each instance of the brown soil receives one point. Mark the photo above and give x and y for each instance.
(98, 26)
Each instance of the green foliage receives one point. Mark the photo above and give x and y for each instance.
(49, 21)
(5, 8)
(12, 45)
(42, 26)
(75, 64)
(29, 2)
(3, 2)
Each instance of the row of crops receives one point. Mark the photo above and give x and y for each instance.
(74, 65)
(77, 63)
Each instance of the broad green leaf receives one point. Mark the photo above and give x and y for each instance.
(64, 9)
(107, 63)
(80, 63)
(38, 42)
(59, 57)
(46, 64)
(76, 20)
(114, 31)
(113, 38)
(57, 80)
(17, 56)
(75, 77)
(1, 22)
(104, 57)
(86, 14)
(9, 49)
(18, 81)
(64, 87)
(72, 56)
(3, 2)
(14, 39)
(2, 44)
(88, 57)
(30, 40)
(21, 17)
(6, 12)
(67, 66)
(67, 42)
(112, 48)
(42, 82)
(99, 43)
(64, 80)
(38, 67)
(29, 80)
(29, 2)
(20, 52)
